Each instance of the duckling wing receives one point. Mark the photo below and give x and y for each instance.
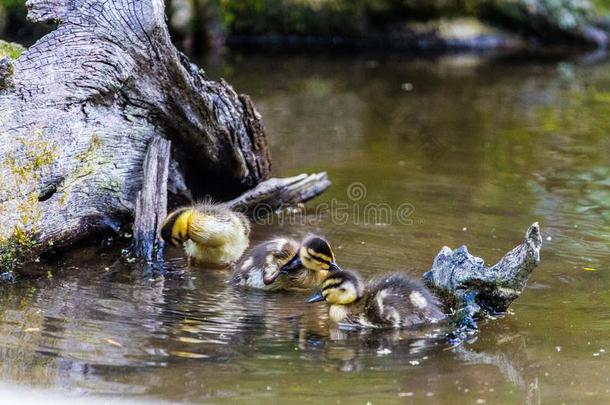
(385, 307)
(264, 262)
(399, 301)
(277, 253)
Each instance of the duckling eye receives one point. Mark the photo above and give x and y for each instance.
(342, 290)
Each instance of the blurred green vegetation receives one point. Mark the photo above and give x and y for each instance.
(555, 21)
(208, 21)
(348, 17)
(603, 6)
(357, 16)
(10, 49)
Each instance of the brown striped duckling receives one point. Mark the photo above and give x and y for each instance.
(281, 264)
(392, 301)
(211, 234)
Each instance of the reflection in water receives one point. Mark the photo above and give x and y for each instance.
(115, 330)
(480, 147)
(505, 350)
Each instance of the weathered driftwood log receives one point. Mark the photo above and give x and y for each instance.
(274, 194)
(151, 203)
(466, 285)
(83, 105)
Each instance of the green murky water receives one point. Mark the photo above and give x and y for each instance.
(422, 152)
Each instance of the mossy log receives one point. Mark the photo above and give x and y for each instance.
(549, 21)
(471, 289)
(80, 110)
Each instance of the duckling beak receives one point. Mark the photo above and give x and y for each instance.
(317, 297)
(294, 264)
(334, 267)
(270, 279)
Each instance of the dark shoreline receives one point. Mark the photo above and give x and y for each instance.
(413, 42)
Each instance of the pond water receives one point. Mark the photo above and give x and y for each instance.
(423, 152)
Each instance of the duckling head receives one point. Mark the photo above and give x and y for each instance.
(314, 254)
(340, 288)
(175, 229)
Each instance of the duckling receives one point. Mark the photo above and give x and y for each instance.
(211, 234)
(393, 301)
(281, 264)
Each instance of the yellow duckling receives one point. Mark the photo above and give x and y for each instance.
(211, 234)
(392, 301)
(281, 264)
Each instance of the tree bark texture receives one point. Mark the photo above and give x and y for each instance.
(151, 203)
